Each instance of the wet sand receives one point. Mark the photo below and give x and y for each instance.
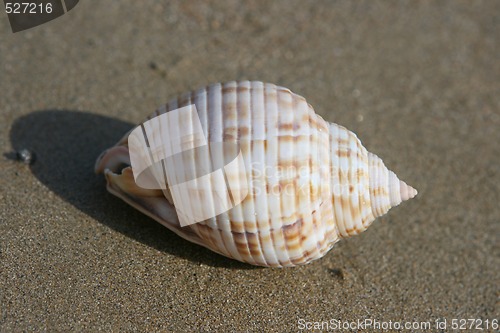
(417, 81)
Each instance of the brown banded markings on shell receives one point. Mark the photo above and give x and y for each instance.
(327, 186)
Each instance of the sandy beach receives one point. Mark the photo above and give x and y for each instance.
(417, 81)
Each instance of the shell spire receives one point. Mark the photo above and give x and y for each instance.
(386, 189)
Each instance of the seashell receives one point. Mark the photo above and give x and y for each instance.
(332, 187)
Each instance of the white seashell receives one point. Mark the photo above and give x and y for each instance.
(332, 187)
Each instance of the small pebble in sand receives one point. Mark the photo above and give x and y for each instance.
(25, 156)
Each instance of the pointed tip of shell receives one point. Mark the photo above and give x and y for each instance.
(399, 191)
(386, 189)
(407, 192)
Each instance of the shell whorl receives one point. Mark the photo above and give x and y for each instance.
(310, 182)
(386, 190)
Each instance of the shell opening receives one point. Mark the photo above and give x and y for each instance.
(115, 159)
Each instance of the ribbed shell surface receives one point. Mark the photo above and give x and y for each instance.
(287, 217)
